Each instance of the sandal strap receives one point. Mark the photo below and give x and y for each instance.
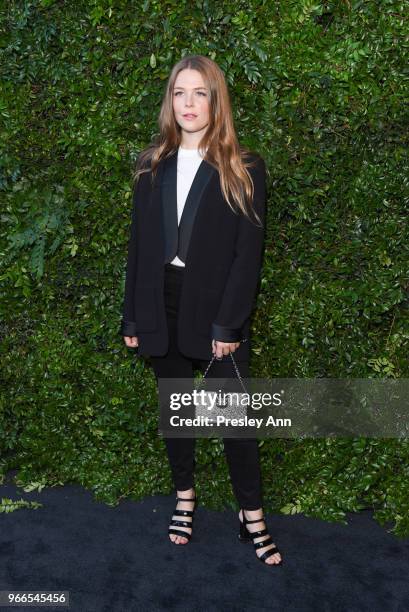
(185, 499)
(179, 532)
(253, 521)
(183, 512)
(181, 523)
(257, 534)
(268, 553)
(263, 544)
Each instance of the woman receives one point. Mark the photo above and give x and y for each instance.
(194, 259)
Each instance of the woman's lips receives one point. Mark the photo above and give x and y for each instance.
(189, 116)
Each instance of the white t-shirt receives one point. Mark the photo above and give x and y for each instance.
(188, 164)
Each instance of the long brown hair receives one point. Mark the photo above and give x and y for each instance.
(219, 146)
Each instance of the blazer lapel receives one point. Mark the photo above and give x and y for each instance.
(193, 201)
(177, 238)
(169, 206)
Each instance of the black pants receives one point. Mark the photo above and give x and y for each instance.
(242, 454)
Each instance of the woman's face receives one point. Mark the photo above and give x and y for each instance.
(191, 96)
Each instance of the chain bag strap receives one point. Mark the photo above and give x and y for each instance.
(235, 408)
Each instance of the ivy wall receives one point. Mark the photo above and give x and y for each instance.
(318, 89)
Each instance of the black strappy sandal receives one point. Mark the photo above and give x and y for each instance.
(246, 536)
(181, 523)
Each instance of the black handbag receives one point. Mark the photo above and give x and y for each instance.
(234, 408)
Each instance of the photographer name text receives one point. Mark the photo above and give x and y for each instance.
(220, 420)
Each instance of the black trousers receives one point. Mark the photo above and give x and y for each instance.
(242, 454)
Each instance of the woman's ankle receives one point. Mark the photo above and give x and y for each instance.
(185, 492)
(253, 514)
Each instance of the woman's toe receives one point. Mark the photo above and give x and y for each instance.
(180, 540)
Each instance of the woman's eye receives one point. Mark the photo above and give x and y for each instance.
(201, 93)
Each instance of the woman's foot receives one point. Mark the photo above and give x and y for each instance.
(252, 515)
(183, 506)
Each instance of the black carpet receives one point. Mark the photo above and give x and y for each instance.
(120, 559)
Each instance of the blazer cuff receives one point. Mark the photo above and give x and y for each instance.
(128, 328)
(226, 334)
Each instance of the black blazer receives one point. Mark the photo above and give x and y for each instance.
(222, 252)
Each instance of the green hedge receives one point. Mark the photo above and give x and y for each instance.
(318, 89)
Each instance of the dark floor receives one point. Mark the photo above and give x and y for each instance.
(121, 560)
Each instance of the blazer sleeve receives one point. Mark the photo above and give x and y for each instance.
(242, 282)
(128, 325)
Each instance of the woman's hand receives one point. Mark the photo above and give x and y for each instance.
(223, 348)
(131, 341)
